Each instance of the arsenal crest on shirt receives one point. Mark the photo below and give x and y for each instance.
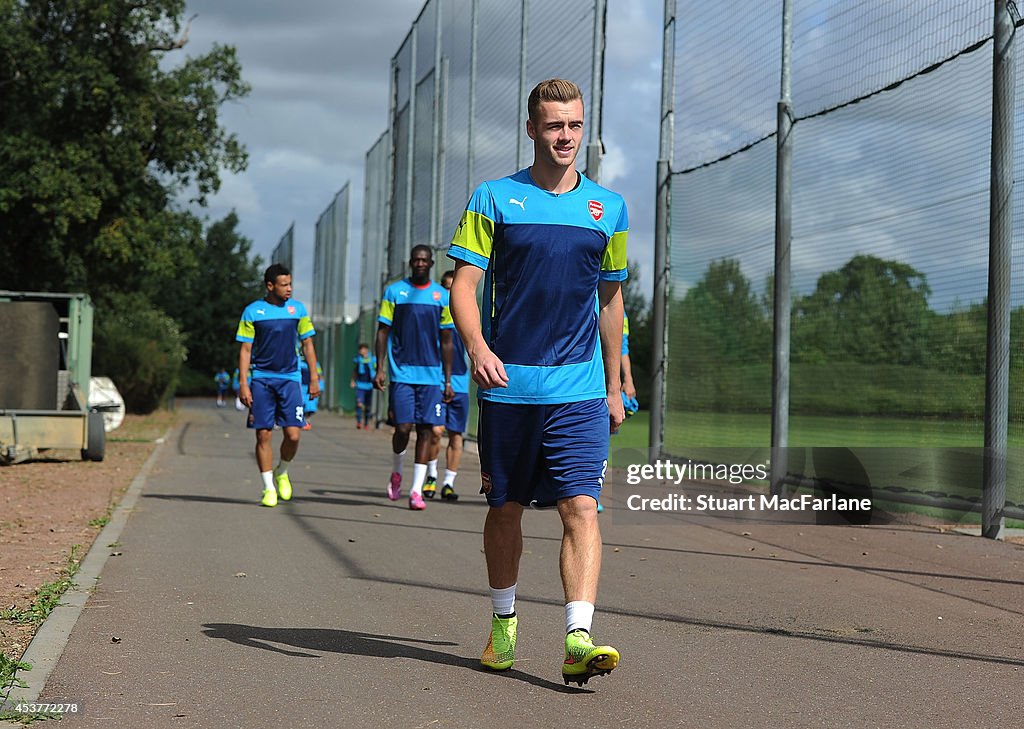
(596, 209)
(291, 309)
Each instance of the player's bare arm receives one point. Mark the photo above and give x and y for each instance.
(447, 353)
(244, 360)
(309, 353)
(610, 323)
(628, 387)
(488, 371)
(380, 380)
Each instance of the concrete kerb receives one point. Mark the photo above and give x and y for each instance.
(50, 640)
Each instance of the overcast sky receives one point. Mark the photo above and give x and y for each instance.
(319, 75)
(901, 176)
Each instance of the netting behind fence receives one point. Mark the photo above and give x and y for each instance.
(461, 78)
(330, 259)
(284, 251)
(892, 109)
(375, 222)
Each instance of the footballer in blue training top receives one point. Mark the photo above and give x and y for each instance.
(271, 332)
(364, 367)
(550, 247)
(414, 339)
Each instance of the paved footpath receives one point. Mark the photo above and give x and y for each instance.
(341, 608)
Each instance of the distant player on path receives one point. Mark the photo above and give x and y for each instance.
(414, 345)
(364, 365)
(456, 397)
(269, 381)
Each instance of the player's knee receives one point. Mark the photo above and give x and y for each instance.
(578, 512)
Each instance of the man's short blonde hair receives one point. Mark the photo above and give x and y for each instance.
(554, 89)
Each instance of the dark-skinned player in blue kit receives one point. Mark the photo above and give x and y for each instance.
(414, 349)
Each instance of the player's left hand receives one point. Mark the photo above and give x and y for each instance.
(314, 387)
(616, 413)
(449, 393)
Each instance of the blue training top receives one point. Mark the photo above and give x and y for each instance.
(544, 254)
(416, 316)
(274, 332)
(365, 368)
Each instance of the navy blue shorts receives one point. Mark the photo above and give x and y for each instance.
(458, 413)
(276, 402)
(364, 399)
(539, 454)
(419, 404)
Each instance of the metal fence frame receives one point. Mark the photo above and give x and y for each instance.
(1000, 242)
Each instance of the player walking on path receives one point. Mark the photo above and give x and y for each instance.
(269, 381)
(546, 360)
(223, 381)
(363, 368)
(414, 338)
(456, 397)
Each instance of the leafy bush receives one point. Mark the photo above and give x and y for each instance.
(140, 348)
(192, 382)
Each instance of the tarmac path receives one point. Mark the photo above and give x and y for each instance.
(341, 608)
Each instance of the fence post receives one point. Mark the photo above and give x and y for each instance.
(524, 14)
(410, 166)
(595, 147)
(474, 24)
(662, 226)
(437, 142)
(1000, 233)
(783, 238)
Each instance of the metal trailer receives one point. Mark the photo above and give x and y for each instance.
(71, 424)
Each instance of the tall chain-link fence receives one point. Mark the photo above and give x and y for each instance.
(460, 80)
(459, 86)
(284, 251)
(890, 139)
(330, 307)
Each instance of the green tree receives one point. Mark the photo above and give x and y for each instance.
(721, 319)
(99, 135)
(209, 302)
(140, 348)
(871, 310)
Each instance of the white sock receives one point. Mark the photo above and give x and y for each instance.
(282, 467)
(396, 463)
(419, 475)
(432, 469)
(503, 600)
(579, 615)
(449, 477)
(268, 480)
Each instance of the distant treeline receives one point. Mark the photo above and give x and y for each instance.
(864, 342)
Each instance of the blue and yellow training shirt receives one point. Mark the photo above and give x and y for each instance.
(544, 254)
(274, 332)
(416, 315)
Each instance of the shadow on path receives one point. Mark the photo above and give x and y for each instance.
(359, 644)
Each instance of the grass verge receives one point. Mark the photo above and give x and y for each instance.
(48, 596)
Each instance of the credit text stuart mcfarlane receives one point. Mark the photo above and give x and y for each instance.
(751, 503)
